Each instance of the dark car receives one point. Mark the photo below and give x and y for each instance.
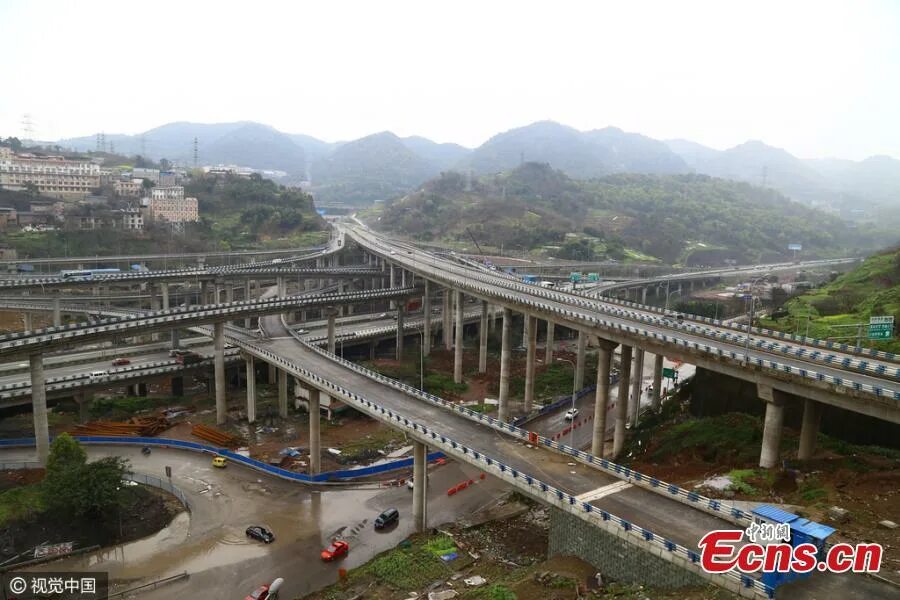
(388, 517)
(260, 533)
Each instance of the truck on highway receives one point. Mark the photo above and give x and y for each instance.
(530, 279)
(188, 358)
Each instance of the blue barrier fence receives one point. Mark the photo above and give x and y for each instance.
(235, 457)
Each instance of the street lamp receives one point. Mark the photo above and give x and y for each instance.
(574, 392)
(750, 316)
(668, 294)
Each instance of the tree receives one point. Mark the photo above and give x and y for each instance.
(73, 487)
(31, 189)
(147, 185)
(165, 164)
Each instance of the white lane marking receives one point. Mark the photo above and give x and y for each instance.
(603, 491)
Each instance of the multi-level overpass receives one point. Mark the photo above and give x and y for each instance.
(648, 514)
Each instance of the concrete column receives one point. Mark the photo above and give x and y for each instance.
(29, 322)
(272, 375)
(282, 394)
(331, 314)
(373, 347)
(601, 396)
(644, 296)
(248, 322)
(525, 325)
(402, 277)
(809, 428)
(769, 456)
(219, 367)
(39, 407)
(282, 288)
(229, 292)
(622, 402)
(57, 313)
(529, 361)
(393, 303)
(503, 408)
(657, 382)
(401, 311)
(548, 349)
(634, 403)
(164, 292)
(340, 289)
(204, 293)
(426, 311)
(217, 293)
(154, 297)
(84, 400)
(447, 325)
(579, 360)
(483, 338)
(420, 485)
(251, 388)
(315, 440)
(458, 350)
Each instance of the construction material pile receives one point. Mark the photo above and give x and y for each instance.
(216, 436)
(136, 426)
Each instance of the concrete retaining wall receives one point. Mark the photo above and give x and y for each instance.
(613, 556)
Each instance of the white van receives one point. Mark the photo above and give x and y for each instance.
(97, 375)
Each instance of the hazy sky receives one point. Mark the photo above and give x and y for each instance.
(817, 78)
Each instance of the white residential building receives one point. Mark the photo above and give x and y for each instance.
(169, 204)
(53, 175)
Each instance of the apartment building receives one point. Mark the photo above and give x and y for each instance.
(169, 204)
(130, 188)
(53, 175)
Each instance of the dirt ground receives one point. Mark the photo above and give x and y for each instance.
(146, 511)
(510, 553)
(864, 481)
(12, 321)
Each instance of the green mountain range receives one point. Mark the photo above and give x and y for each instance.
(687, 218)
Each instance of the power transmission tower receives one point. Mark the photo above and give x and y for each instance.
(97, 146)
(196, 153)
(27, 127)
(143, 145)
(112, 147)
(102, 141)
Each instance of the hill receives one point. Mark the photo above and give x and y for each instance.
(257, 146)
(681, 218)
(376, 167)
(442, 156)
(578, 154)
(872, 289)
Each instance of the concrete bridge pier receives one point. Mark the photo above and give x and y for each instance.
(445, 316)
(634, 403)
(217, 293)
(248, 322)
(315, 440)
(401, 311)
(164, 294)
(84, 401)
(773, 426)
(458, 343)
(548, 349)
(282, 287)
(393, 303)
(426, 313)
(204, 293)
(579, 360)
(251, 388)
(530, 361)
(622, 402)
(39, 407)
(340, 289)
(420, 485)
(657, 382)
(644, 296)
(601, 396)
(809, 428)
(282, 394)
(57, 313)
(219, 368)
(229, 293)
(177, 386)
(29, 321)
(483, 338)
(330, 313)
(503, 400)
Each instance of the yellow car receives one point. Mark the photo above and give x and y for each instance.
(219, 462)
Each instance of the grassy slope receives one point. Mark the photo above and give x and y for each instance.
(871, 289)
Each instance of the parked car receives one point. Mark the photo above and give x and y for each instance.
(266, 592)
(121, 361)
(260, 533)
(571, 414)
(388, 517)
(219, 462)
(337, 549)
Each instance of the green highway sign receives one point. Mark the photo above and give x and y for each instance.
(881, 328)
(670, 373)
